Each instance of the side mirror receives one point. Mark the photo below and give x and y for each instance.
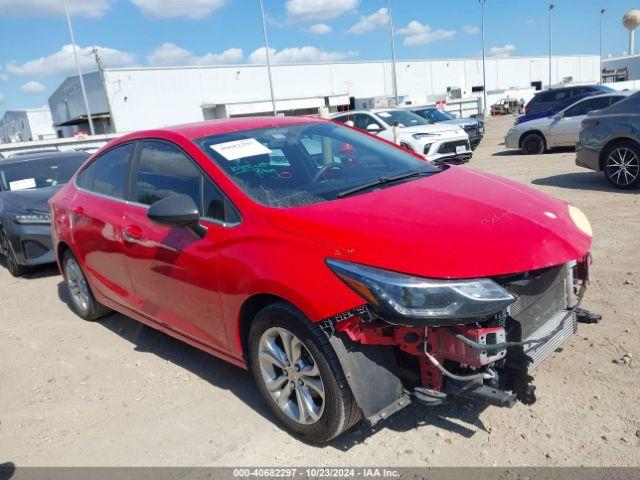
(558, 116)
(349, 123)
(372, 127)
(176, 211)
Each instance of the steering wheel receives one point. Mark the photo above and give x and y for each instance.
(325, 168)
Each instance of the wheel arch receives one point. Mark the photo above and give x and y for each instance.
(536, 131)
(61, 248)
(248, 312)
(610, 144)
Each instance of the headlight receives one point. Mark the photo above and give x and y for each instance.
(35, 218)
(426, 301)
(581, 220)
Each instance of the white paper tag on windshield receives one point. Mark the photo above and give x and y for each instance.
(236, 149)
(23, 184)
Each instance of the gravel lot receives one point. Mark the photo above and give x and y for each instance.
(116, 393)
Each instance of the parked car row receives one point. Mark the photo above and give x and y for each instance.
(436, 141)
(349, 275)
(600, 122)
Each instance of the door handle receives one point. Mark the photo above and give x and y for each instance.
(132, 233)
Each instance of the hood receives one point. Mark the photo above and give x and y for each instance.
(459, 121)
(534, 121)
(437, 128)
(455, 224)
(27, 200)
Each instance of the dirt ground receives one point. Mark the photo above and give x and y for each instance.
(116, 393)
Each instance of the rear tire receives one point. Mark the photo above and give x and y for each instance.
(283, 333)
(15, 269)
(533, 144)
(82, 299)
(621, 165)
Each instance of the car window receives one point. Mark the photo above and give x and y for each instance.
(323, 160)
(586, 106)
(630, 105)
(164, 170)
(39, 173)
(362, 121)
(404, 118)
(107, 174)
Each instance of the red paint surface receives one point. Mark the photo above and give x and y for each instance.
(456, 224)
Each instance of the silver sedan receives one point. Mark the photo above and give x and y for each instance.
(560, 130)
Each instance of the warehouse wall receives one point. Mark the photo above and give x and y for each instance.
(147, 98)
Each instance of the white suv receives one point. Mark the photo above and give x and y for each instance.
(437, 143)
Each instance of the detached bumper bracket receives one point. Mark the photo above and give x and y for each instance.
(480, 392)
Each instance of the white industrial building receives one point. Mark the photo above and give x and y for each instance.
(128, 99)
(26, 125)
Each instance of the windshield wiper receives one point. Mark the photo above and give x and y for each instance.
(380, 181)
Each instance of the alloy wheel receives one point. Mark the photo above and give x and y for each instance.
(291, 375)
(623, 166)
(77, 284)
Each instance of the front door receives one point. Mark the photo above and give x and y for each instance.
(174, 271)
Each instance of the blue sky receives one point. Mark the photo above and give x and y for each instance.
(33, 33)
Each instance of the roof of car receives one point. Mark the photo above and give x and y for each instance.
(226, 125)
(41, 155)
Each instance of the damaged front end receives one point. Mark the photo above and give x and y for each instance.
(428, 340)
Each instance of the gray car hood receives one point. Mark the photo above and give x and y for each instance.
(32, 200)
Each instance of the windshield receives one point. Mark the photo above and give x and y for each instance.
(404, 118)
(307, 163)
(39, 173)
(435, 115)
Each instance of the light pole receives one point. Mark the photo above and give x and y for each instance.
(266, 51)
(551, 7)
(484, 71)
(394, 77)
(75, 55)
(602, 12)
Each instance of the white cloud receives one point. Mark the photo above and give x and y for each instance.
(62, 61)
(318, 9)
(35, 8)
(169, 54)
(470, 29)
(370, 22)
(320, 29)
(299, 55)
(193, 9)
(503, 51)
(2, 97)
(32, 87)
(4, 78)
(418, 34)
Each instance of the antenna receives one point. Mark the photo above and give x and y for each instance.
(631, 20)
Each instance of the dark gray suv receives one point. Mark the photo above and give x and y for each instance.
(609, 142)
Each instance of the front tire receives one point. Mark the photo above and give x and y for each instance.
(15, 269)
(533, 144)
(82, 299)
(622, 165)
(299, 375)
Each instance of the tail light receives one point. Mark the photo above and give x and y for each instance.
(589, 122)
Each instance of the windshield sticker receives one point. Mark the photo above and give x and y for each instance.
(248, 147)
(23, 184)
(384, 114)
(261, 169)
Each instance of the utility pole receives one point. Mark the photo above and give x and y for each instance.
(602, 12)
(75, 55)
(266, 50)
(394, 75)
(551, 7)
(484, 70)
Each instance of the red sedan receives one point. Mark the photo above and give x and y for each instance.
(349, 275)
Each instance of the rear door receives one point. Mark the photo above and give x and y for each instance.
(174, 272)
(96, 226)
(564, 132)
